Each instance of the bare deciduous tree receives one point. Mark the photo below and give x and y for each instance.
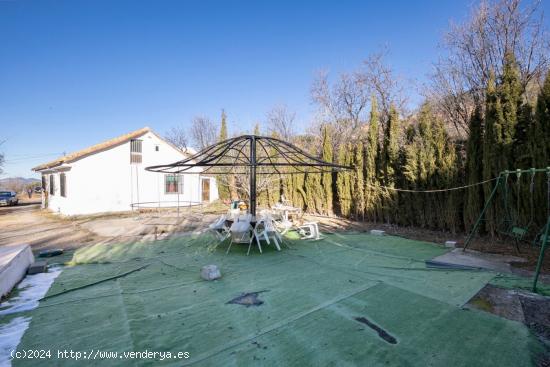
(240, 183)
(280, 121)
(203, 132)
(478, 45)
(345, 103)
(178, 137)
(384, 84)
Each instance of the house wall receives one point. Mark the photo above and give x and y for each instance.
(107, 182)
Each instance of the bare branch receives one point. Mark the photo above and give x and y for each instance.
(478, 45)
(203, 132)
(177, 136)
(280, 121)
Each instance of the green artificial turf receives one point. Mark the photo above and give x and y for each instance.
(349, 299)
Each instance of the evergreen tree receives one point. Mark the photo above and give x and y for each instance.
(343, 181)
(474, 172)
(522, 144)
(358, 184)
(503, 103)
(326, 180)
(445, 203)
(510, 93)
(223, 127)
(491, 146)
(226, 183)
(539, 147)
(412, 211)
(389, 163)
(539, 135)
(314, 192)
(370, 163)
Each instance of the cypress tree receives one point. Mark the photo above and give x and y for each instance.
(503, 103)
(510, 93)
(412, 211)
(474, 172)
(390, 157)
(223, 127)
(326, 180)
(224, 191)
(491, 144)
(427, 157)
(445, 175)
(522, 152)
(539, 143)
(370, 163)
(358, 184)
(343, 181)
(539, 135)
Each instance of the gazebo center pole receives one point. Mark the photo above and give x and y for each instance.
(253, 175)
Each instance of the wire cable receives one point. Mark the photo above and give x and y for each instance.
(434, 190)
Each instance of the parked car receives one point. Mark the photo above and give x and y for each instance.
(8, 198)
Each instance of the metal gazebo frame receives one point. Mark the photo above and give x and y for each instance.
(254, 155)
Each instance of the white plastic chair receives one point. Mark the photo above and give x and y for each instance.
(220, 229)
(265, 230)
(309, 231)
(271, 232)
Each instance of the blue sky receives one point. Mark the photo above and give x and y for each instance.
(75, 73)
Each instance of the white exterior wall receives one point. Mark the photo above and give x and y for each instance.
(107, 182)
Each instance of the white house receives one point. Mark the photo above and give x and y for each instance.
(111, 176)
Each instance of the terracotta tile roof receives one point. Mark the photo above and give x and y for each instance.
(93, 149)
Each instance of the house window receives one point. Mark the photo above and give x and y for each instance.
(43, 183)
(156, 148)
(135, 151)
(173, 184)
(62, 185)
(52, 184)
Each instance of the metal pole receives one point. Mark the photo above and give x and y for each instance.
(480, 218)
(541, 255)
(253, 175)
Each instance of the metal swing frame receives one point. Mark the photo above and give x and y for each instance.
(513, 229)
(545, 232)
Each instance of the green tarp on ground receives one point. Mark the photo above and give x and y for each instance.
(351, 299)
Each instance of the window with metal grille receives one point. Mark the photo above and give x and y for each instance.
(43, 182)
(52, 184)
(173, 184)
(135, 151)
(62, 185)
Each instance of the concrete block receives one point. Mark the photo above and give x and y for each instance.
(14, 261)
(38, 267)
(377, 232)
(210, 272)
(451, 244)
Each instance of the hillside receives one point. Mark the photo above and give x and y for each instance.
(17, 183)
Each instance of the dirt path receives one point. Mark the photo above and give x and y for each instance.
(27, 224)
